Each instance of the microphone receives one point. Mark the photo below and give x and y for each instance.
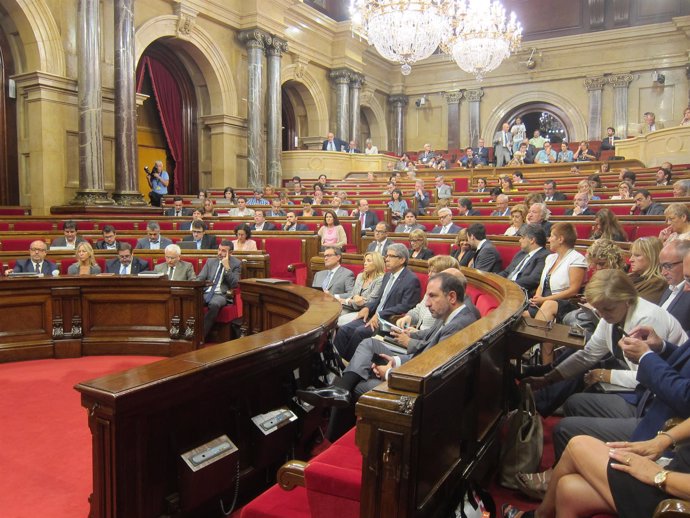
(55, 273)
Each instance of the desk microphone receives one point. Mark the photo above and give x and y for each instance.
(55, 273)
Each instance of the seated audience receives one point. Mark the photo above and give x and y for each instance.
(70, 239)
(645, 271)
(332, 233)
(86, 261)
(482, 185)
(397, 205)
(367, 218)
(681, 189)
(539, 213)
(174, 267)
(381, 242)
(208, 210)
(678, 221)
(580, 208)
(517, 220)
(550, 192)
(229, 197)
(399, 293)
(177, 210)
(241, 211)
(109, 241)
(587, 186)
(645, 205)
(676, 298)
(291, 224)
(624, 192)
(609, 142)
(418, 248)
(244, 242)
(561, 280)
(307, 210)
(465, 207)
(260, 224)
(546, 155)
(486, 258)
(507, 184)
(470, 160)
(463, 252)
(564, 155)
(334, 278)
(369, 148)
(502, 208)
(527, 265)
(199, 240)
(126, 263)
(222, 273)
(685, 121)
(584, 153)
(607, 226)
(276, 209)
(446, 225)
(36, 262)
(367, 285)
(443, 190)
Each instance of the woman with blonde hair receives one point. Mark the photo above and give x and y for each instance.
(645, 271)
(586, 187)
(607, 226)
(86, 261)
(418, 248)
(367, 285)
(678, 221)
(532, 198)
(463, 251)
(624, 192)
(517, 219)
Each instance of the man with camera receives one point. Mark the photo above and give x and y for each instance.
(158, 180)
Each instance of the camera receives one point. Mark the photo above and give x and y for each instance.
(148, 172)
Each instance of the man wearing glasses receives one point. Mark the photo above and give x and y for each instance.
(381, 241)
(400, 292)
(125, 263)
(674, 260)
(334, 279)
(36, 263)
(199, 240)
(446, 225)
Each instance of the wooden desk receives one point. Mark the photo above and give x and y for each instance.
(531, 331)
(71, 316)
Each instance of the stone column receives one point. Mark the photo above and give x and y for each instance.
(273, 124)
(595, 86)
(398, 102)
(620, 84)
(126, 185)
(355, 90)
(91, 184)
(473, 98)
(255, 40)
(341, 77)
(453, 99)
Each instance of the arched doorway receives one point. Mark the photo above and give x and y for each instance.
(167, 122)
(552, 122)
(9, 175)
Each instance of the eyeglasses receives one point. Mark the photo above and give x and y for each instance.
(39, 249)
(390, 256)
(668, 266)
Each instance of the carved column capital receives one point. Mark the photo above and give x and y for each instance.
(454, 97)
(276, 46)
(186, 19)
(595, 83)
(621, 80)
(356, 80)
(341, 75)
(474, 95)
(255, 38)
(399, 99)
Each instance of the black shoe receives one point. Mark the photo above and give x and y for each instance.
(330, 396)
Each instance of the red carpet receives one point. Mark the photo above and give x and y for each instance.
(45, 443)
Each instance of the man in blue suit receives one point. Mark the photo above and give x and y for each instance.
(400, 292)
(527, 265)
(332, 143)
(37, 261)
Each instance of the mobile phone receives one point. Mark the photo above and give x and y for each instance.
(377, 359)
(621, 330)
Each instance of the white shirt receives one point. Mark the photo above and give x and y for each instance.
(521, 264)
(675, 290)
(560, 277)
(644, 313)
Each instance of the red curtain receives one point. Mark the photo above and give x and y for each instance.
(169, 104)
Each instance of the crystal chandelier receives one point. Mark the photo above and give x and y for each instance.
(404, 31)
(481, 36)
(475, 32)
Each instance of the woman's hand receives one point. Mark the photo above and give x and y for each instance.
(537, 300)
(358, 299)
(663, 235)
(642, 468)
(652, 449)
(596, 376)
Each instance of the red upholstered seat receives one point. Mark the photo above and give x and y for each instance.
(496, 229)
(277, 503)
(473, 293)
(649, 230)
(439, 247)
(17, 244)
(41, 226)
(486, 304)
(285, 252)
(507, 253)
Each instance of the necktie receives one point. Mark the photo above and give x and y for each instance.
(362, 217)
(379, 248)
(212, 289)
(386, 292)
(178, 214)
(505, 139)
(611, 141)
(123, 269)
(37, 267)
(519, 268)
(171, 272)
(444, 229)
(327, 281)
(408, 229)
(616, 335)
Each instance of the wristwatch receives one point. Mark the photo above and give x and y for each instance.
(660, 479)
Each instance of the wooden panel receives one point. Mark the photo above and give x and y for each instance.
(25, 318)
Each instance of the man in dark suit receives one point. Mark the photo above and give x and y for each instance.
(422, 197)
(222, 274)
(676, 298)
(581, 202)
(526, 267)
(177, 209)
(333, 144)
(481, 152)
(527, 151)
(400, 291)
(486, 257)
(381, 242)
(445, 220)
(153, 239)
(36, 262)
(276, 209)
(199, 240)
(445, 301)
(609, 143)
(125, 263)
(550, 192)
(70, 239)
(645, 205)
(109, 241)
(352, 148)
(367, 219)
(502, 206)
(291, 224)
(470, 160)
(260, 222)
(334, 278)
(465, 208)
